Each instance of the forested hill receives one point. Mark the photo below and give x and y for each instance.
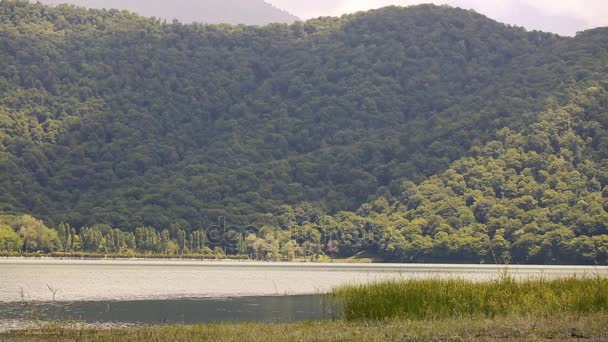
(248, 12)
(110, 118)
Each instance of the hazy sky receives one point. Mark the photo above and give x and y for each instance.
(565, 17)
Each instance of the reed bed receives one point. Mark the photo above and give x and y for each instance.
(442, 299)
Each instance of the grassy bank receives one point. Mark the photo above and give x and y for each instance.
(440, 299)
(587, 326)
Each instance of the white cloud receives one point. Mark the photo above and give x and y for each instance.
(308, 8)
(595, 12)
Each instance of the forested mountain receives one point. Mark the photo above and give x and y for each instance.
(248, 12)
(444, 135)
(529, 197)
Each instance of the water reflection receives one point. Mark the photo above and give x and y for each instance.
(179, 311)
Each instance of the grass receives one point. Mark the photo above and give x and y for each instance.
(461, 299)
(566, 327)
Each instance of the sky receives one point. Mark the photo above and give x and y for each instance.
(565, 17)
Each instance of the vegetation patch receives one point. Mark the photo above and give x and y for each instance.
(561, 328)
(442, 299)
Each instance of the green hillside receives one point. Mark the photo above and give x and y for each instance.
(532, 197)
(469, 140)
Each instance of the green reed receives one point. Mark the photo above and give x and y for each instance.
(440, 299)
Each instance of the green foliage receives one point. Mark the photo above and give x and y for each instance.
(35, 235)
(441, 299)
(512, 200)
(91, 239)
(113, 118)
(414, 134)
(9, 240)
(67, 237)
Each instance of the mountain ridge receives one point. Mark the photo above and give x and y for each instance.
(109, 117)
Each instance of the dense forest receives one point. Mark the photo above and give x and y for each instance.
(425, 133)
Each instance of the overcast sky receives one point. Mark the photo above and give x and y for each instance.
(565, 17)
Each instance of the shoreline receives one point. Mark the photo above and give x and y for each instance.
(404, 267)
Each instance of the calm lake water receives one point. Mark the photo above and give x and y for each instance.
(177, 311)
(153, 292)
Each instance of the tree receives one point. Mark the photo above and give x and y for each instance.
(115, 241)
(35, 235)
(148, 240)
(181, 241)
(290, 250)
(332, 248)
(197, 241)
(9, 240)
(66, 236)
(91, 239)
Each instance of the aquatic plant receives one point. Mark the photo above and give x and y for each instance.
(438, 299)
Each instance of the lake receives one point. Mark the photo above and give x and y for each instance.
(176, 311)
(156, 292)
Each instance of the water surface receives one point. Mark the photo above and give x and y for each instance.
(184, 292)
(116, 280)
(177, 311)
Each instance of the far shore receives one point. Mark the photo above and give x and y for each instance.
(335, 263)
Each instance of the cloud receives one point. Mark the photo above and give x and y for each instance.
(309, 8)
(596, 11)
(531, 15)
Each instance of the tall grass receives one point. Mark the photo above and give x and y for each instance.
(440, 299)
